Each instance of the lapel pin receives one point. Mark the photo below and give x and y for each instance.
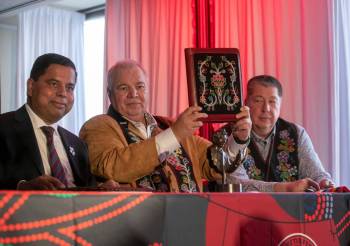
(71, 150)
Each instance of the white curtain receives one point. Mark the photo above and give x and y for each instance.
(8, 65)
(49, 30)
(341, 95)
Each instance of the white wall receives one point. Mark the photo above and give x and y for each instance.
(8, 65)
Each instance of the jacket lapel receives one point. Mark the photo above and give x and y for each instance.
(71, 154)
(135, 131)
(24, 128)
(151, 123)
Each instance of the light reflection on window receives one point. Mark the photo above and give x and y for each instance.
(93, 65)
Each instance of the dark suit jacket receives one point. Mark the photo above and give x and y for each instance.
(20, 156)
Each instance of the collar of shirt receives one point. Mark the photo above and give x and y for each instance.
(145, 130)
(37, 121)
(264, 142)
(166, 141)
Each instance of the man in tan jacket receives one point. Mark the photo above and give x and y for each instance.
(129, 145)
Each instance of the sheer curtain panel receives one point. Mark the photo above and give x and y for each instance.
(8, 65)
(50, 30)
(341, 96)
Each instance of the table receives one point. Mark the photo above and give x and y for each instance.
(144, 218)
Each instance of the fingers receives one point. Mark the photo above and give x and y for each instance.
(188, 122)
(50, 183)
(194, 114)
(242, 119)
(312, 184)
(300, 185)
(55, 183)
(192, 109)
(190, 118)
(244, 113)
(306, 184)
(242, 126)
(110, 185)
(326, 183)
(44, 182)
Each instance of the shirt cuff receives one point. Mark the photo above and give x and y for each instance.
(166, 142)
(233, 147)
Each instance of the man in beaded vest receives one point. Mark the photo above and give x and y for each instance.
(130, 145)
(280, 155)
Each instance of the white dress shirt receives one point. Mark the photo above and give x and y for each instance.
(166, 141)
(37, 122)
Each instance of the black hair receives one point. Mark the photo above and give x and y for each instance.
(44, 61)
(266, 80)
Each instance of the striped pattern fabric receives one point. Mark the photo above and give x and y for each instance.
(54, 161)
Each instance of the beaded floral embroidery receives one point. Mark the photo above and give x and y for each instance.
(285, 170)
(252, 171)
(179, 161)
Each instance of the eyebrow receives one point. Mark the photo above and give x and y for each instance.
(123, 84)
(137, 83)
(59, 81)
(52, 79)
(269, 97)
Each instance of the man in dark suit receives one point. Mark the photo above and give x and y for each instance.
(26, 158)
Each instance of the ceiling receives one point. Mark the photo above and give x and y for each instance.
(7, 6)
(79, 5)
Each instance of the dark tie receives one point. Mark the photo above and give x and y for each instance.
(54, 161)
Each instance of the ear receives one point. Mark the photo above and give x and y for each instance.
(29, 87)
(109, 93)
(280, 98)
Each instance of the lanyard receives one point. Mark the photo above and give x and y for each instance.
(122, 122)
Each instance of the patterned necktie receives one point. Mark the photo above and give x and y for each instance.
(54, 161)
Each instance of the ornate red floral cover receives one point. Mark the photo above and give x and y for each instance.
(214, 82)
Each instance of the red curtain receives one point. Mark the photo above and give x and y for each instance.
(154, 33)
(205, 38)
(289, 39)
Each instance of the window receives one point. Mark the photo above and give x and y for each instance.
(94, 65)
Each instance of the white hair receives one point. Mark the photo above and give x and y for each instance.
(115, 71)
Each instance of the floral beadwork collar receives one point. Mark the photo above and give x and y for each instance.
(282, 162)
